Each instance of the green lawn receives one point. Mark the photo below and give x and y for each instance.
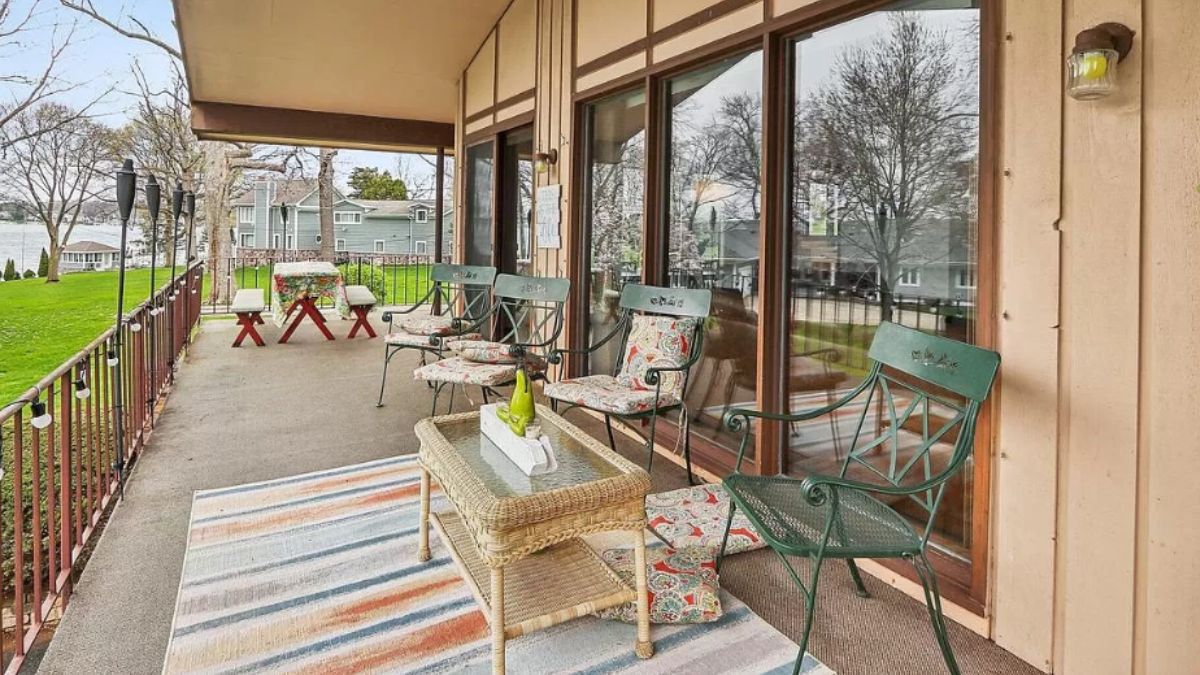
(41, 324)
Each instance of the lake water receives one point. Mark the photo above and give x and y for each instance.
(23, 242)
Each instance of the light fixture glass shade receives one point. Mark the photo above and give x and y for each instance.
(41, 418)
(82, 391)
(112, 357)
(135, 326)
(1092, 74)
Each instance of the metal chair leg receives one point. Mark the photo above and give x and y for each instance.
(485, 395)
(612, 443)
(453, 388)
(686, 428)
(810, 602)
(437, 391)
(388, 353)
(725, 539)
(933, 602)
(650, 441)
(858, 582)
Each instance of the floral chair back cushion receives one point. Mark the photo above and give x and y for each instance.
(656, 342)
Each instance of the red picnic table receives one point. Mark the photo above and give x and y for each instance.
(296, 289)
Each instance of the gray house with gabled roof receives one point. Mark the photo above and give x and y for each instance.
(360, 225)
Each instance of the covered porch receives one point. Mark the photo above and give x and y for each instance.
(244, 415)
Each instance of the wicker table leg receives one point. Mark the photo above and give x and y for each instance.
(497, 620)
(644, 648)
(423, 524)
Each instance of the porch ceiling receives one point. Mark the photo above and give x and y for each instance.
(389, 59)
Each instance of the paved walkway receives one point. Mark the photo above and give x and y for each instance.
(249, 414)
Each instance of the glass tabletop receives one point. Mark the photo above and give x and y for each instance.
(577, 463)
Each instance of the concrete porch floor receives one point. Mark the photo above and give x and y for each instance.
(250, 414)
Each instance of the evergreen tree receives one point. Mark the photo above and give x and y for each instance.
(10, 270)
(44, 264)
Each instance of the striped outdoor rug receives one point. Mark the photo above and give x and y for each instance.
(318, 573)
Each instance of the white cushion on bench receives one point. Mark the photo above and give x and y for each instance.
(248, 300)
(356, 296)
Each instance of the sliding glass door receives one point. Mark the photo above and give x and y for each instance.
(479, 239)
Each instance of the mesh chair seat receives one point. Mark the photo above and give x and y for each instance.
(865, 526)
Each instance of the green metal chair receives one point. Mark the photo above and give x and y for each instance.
(526, 318)
(926, 392)
(611, 395)
(457, 297)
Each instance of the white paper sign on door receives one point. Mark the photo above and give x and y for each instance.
(549, 216)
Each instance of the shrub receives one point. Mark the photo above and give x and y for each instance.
(30, 274)
(44, 264)
(10, 270)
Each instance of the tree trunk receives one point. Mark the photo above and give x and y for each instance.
(217, 220)
(325, 195)
(52, 269)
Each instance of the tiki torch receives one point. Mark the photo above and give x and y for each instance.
(126, 186)
(153, 201)
(189, 206)
(176, 209)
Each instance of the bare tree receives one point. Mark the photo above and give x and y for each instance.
(223, 166)
(26, 90)
(415, 171)
(739, 123)
(697, 156)
(893, 131)
(55, 170)
(325, 198)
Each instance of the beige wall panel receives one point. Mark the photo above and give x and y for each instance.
(514, 110)
(518, 49)
(1100, 345)
(1169, 529)
(785, 6)
(610, 73)
(480, 124)
(746, 17)
(606, 25)
(1025, 478)
(667, 12)
(481, 86)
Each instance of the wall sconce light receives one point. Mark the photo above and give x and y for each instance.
(41, 418)
(1092, 66)
(542, 161)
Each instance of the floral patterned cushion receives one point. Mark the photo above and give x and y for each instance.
(656, 342)
(695, 516)
(682, 582)
(404, 339)
(427, 325)
(606, 394)
(481, 351)
(458, 370)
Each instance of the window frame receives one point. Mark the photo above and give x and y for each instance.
(242, 210)
(420, 247)
(242, 237)
(379, 246)
(357, 217)
(421, 215)
(339, 245)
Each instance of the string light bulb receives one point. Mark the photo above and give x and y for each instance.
(41, 418)
(82, 390)
(112, 358)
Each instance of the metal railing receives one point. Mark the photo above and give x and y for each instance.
(61, 473)
(395, 279)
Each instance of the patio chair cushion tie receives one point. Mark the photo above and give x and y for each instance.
(683, 584)
(656, 342)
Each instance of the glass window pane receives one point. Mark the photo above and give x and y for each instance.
(884, 202)
(479, 204)
(714, 141)
(616, 139)
(517, 201)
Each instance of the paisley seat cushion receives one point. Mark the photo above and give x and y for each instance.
(683, 584)
(457, 370)
(473, 349)
(656, 342)
(402, 338)
(606, 394)
(696, 516)
(427, 325)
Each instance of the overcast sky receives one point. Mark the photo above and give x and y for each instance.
(100, 60)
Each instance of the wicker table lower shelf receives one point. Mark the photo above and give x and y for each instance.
(563, 582)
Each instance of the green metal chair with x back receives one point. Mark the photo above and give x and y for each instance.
(915, 430)
(458, 296)
(526, 317)
(661, 336)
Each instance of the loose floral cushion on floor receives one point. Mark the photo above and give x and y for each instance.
(606, 394)
(656, 342)
(695, 516)
(683, 585)
(427, 325)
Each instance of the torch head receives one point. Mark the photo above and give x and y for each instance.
(126, 186)
(177, 200)
(190, 204)
(153, 197)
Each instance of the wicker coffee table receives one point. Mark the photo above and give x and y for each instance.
(515, 538)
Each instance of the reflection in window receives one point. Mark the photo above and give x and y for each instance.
(884, 204)
(615, 174)
(517, 202)
(714, 141)
(479, 204)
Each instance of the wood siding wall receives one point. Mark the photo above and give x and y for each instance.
(1095, 544)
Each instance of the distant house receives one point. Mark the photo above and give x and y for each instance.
(360, 225)
(88, 255)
